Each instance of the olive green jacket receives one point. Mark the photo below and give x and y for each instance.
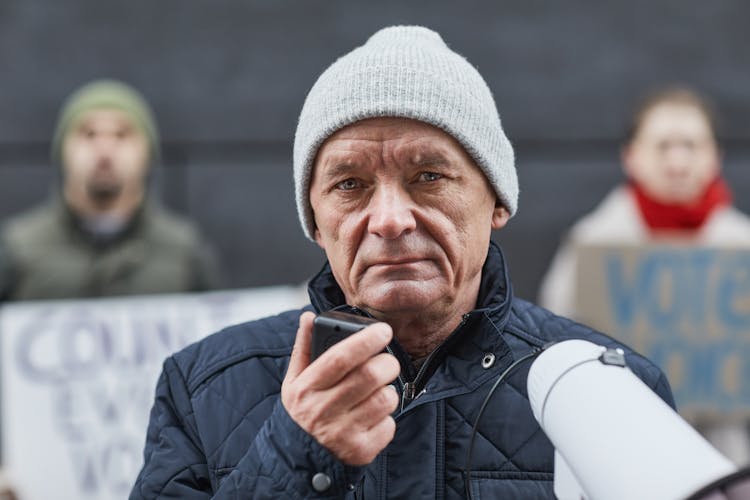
(46, 254)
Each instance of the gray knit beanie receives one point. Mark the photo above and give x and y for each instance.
(407, 72)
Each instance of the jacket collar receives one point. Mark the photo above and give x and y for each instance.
(457, 359)
(68, 218)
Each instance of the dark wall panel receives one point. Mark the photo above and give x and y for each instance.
(237, 70)
(251, 212)
(227, 79)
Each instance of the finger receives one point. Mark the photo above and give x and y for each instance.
(371, 410)
(300, 358)
(352, 352)
(368, 444)
(361, 383)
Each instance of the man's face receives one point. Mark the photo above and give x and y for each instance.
(403, 214)
(104, 156)
(674, 155)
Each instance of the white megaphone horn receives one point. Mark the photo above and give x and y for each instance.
(615, 439)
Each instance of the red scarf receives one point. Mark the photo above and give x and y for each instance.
(660, 216)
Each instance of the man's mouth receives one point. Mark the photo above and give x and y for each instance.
(397, 262)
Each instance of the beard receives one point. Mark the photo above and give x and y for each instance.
(103, 190)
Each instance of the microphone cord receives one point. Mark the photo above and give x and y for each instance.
(534, 353)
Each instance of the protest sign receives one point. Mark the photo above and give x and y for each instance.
(686, 308)
(78, 381)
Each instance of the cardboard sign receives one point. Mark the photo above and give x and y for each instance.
(78, 381)
(685, 308)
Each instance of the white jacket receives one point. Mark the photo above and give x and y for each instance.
(617, 219)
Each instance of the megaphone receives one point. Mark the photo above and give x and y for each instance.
(615, 439)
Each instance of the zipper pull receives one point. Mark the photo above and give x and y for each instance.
(408, 394)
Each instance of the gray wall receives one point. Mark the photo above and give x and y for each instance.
(227, 79)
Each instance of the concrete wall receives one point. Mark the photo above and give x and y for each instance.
(227, 79)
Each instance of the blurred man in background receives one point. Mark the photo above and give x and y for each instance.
(674, 192)
(101, 235)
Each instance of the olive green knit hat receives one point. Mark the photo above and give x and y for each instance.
(107, 94)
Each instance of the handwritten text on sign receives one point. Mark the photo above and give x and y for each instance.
(687, 309)
(79, 377)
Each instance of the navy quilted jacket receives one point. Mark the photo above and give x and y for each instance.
(218, 429)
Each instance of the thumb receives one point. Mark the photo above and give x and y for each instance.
(300, 357)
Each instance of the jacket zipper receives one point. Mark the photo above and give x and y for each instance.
(411, 390)
(399, 378)
(359, 491)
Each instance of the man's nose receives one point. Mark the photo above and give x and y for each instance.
(391, 212)
(105, 143)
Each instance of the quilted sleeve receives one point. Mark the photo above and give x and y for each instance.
(174, 465)
(282, 461)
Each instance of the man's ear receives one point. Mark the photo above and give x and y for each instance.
(318, 239)
(500, 217)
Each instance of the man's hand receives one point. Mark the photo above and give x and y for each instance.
(343, 399)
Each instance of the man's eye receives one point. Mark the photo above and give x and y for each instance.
(347, 185)
(429, 176)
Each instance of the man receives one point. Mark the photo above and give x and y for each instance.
(674, 189)
(101, 235)
(401, 172)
